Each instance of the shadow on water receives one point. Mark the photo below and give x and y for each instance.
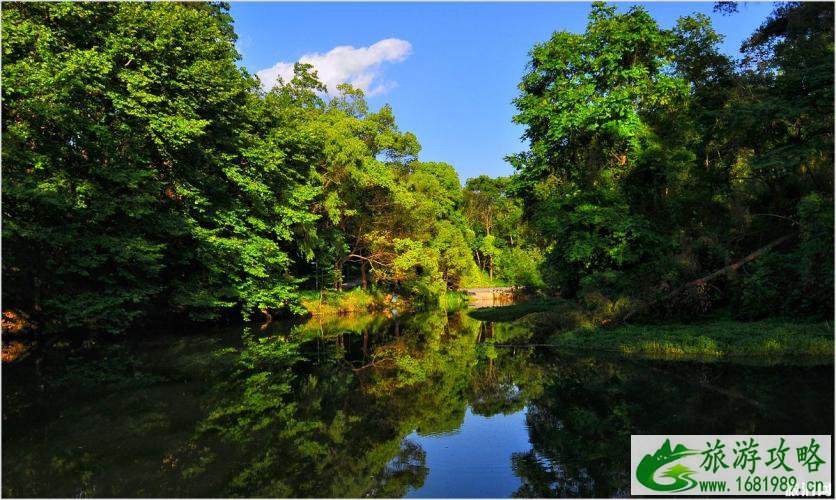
(420, 405)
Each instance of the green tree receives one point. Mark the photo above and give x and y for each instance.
(584, 103)
(144, 173)
(502, 242)
(653, 161)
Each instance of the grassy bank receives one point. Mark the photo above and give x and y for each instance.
(567, 325)
(714, 338)
(516, 311)
(355, 301)
(328, 302)
(453, 301)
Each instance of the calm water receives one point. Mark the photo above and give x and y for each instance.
(425, 405)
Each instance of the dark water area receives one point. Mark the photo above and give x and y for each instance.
(425, 405)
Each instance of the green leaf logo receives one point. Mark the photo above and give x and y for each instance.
(681, 475)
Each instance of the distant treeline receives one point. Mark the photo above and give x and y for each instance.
(147, 176)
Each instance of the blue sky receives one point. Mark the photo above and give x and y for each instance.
(453, 68)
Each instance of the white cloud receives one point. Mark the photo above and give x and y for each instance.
(357, 66)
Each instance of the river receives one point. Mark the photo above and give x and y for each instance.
(423, 405)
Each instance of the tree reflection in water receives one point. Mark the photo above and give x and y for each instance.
(324, 408)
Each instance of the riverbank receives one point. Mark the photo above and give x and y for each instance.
(330, 302)
(514, 312)
(566, 325)
(327, 302)
(713, 338)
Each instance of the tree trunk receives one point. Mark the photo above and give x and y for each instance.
(338, 275)
(363, 265)
(490, 272)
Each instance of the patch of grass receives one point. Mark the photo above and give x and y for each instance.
(480, 279)
(453, 301)
(575, 326)
(517, 311)
(331, 302)
(715, 339)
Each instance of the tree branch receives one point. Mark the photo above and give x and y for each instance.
(720, 272)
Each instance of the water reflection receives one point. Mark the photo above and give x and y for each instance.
(474, 461)
(423, 405)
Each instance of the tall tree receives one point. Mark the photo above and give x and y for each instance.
(584, 104)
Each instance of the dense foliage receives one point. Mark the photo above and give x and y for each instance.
(655, 160)
(147, 176)
(141, 169)
(503, 244)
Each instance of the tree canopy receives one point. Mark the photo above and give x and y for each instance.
(654, 159)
